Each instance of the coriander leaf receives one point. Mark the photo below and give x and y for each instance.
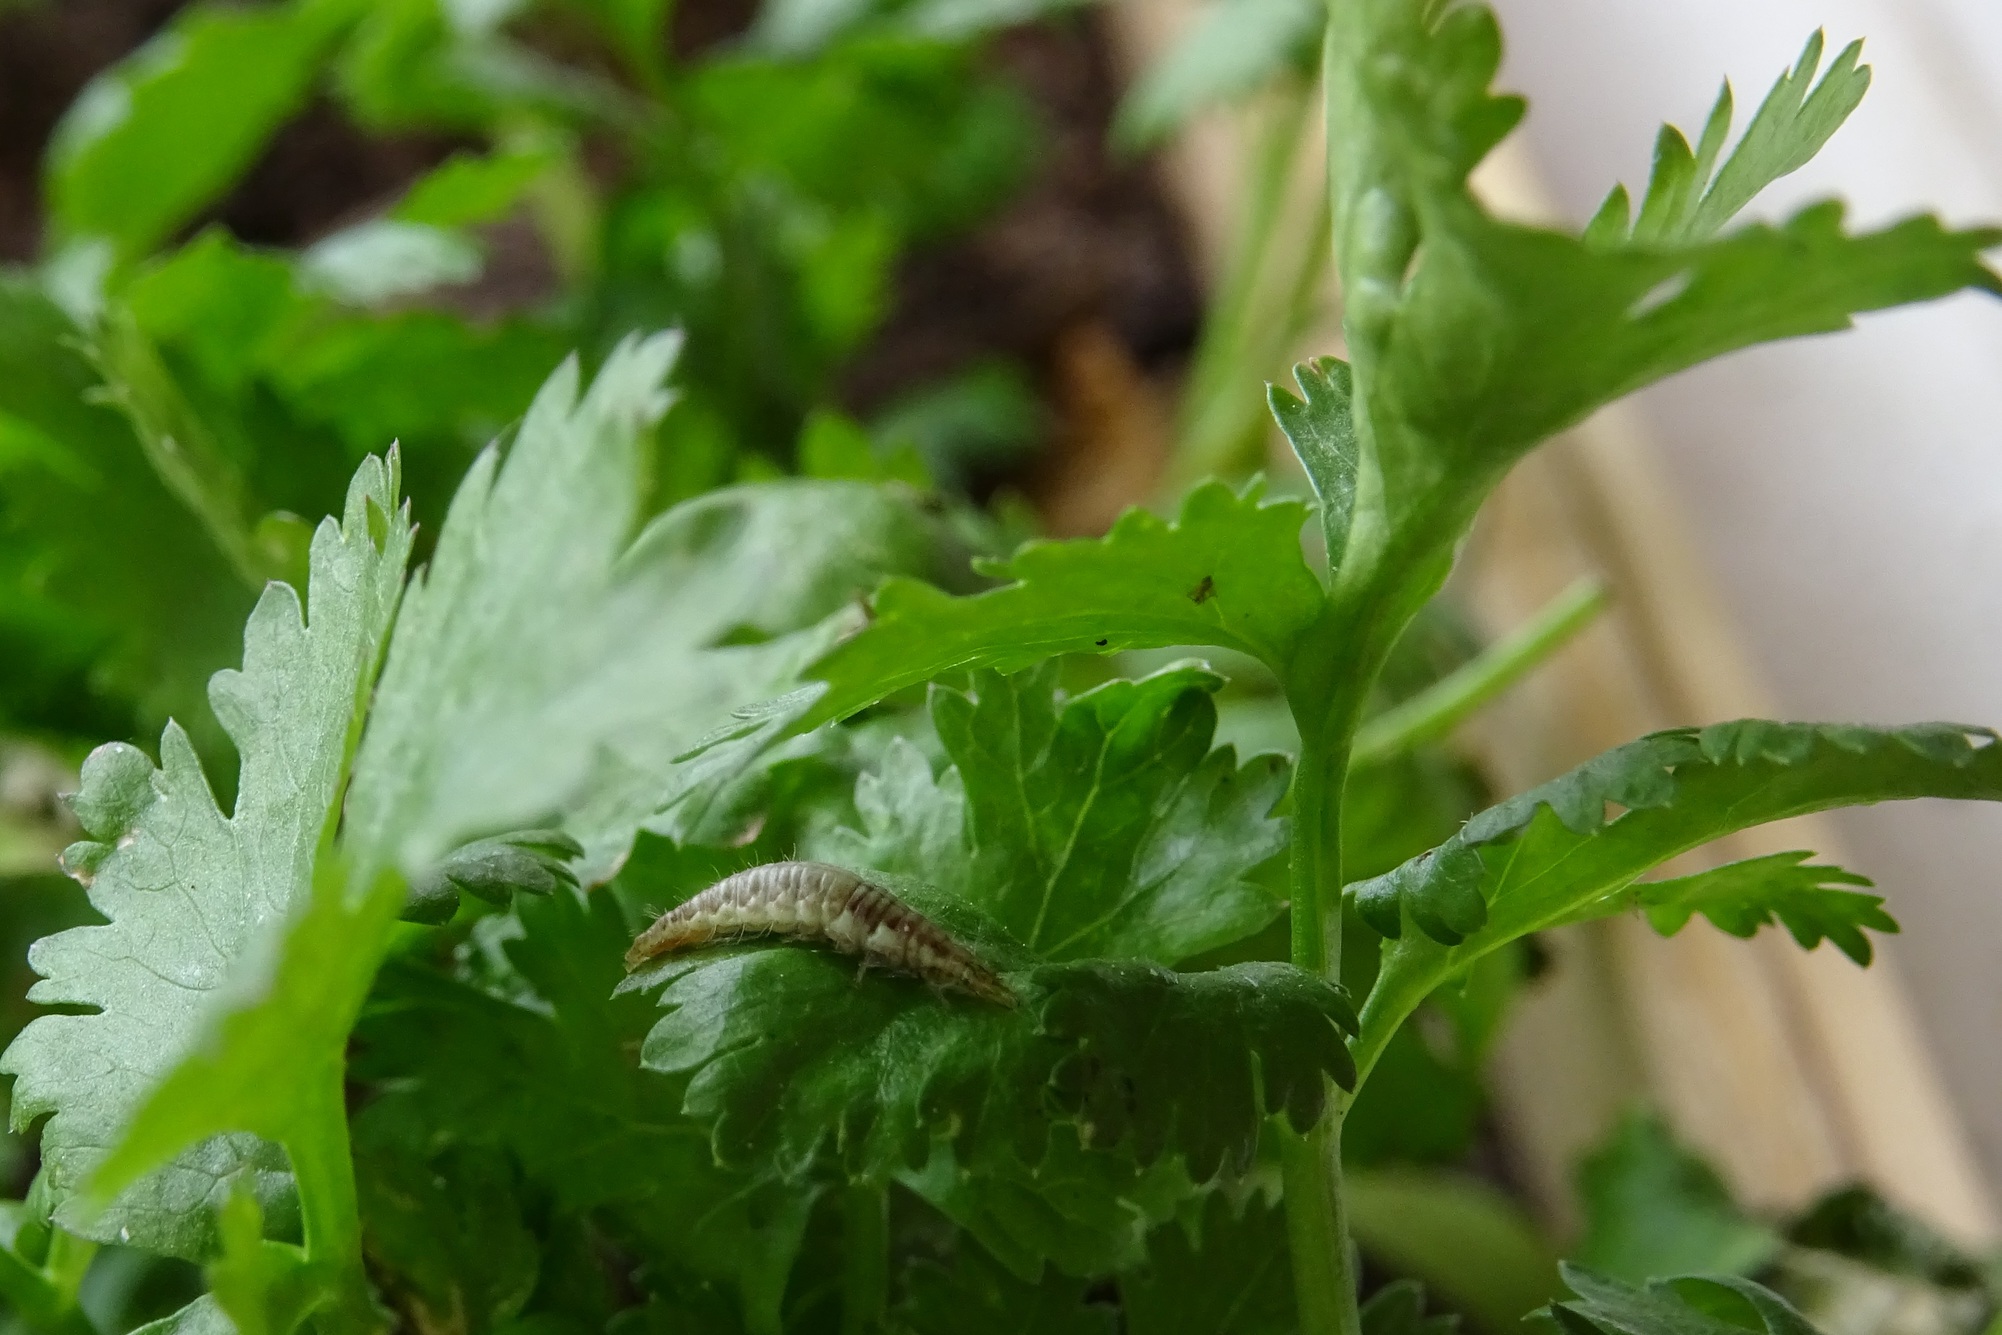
(189, 892)
(1228, 572)
(386, 259)
(546, 663)
(447, 1241)
(467, 189)
(1399, 1309)
(1087, 1212)
(1744, 896)
(1473, 339)
(537, 861)
(104, 575)
(972, 1295)
(789, 1056)
(203, 1316)
(176, 442)
(1692, 1305)
(1106, 827)
(1226, 1272)
(1232, 49)
(154, 139)
(263, 1287)
(1689, 199)
(1553, 854)
(1323, 433)
(1652, 1208)
(538, 1057)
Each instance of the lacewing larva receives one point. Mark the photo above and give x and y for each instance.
(811, 901)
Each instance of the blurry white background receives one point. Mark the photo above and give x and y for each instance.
(1849, 489)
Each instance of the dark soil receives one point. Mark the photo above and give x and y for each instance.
(1089, 240)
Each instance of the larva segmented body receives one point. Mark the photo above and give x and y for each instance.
(813, 901)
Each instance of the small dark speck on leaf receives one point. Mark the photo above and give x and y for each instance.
(1103, 643)
(1204, 591)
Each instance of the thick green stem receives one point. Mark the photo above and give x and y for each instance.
(865, 1271)
(324, 1167)
(1317, 1232)
(1326, 707)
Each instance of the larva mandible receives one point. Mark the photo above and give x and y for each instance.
(812, 901)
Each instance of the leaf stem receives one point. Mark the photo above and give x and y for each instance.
(45, 1298)
(1326, 703)
(865, 1272)
(1456, 697)
(1317, 1234)
(324, 1167)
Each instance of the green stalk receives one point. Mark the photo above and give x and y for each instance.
(865, 1271)
(329, 1210)
(44, 1298)
(1456, 697)
(1326, 704)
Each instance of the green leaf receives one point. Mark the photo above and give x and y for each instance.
(789, 1057)
(1554, 855)
(1652, 1208)
(1473, 339)
(468, 189)
(1689, 199)
(1232, 49)
(1463, 1238)
(547, 664)
(152, 141)
(1226, 1273)
(105, 576)
(1707, 1305)
(447, 1240)
(1323, 433)
(262, 1287)
(537, 861)
(1399, 1309)
(1228, 572)
(974, 1296)
(156, 973)
(1106, 826)
(1086, 1212)
(386, 259)
(1744, 896)
(539, 1058)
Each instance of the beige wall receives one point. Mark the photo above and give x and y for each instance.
(1849, 489)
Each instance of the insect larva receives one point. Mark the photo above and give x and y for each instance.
(813, 901)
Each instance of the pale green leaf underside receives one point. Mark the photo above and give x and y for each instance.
(1685, 1306)
(1227, 572)
(1554, 853)
(1689, 198)
(188, 891)
(1742, 897)
(550, 666)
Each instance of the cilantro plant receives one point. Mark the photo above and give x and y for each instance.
(598, 183)
(358, 1043)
